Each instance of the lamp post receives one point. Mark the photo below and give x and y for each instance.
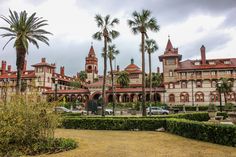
(192, 90)
(5, 82)
(219, 84)
(56, 82)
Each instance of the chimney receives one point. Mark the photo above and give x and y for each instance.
(9, 68)
(25, 65)
(203, 54)
(118, 68)
(4, 64)
(62, 71)
(43, 60)
(158, 70)
(132, 61)
(53, 69)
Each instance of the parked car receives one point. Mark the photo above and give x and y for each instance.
(156, 110)
(108, 111)
(61, 109)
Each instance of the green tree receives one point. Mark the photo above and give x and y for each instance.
(76, 84)
(23, 29)
(105, 24)
(157, 79)
(224, 86)
(82, 76)
(140, 23)
(123, 79)
(150, 47)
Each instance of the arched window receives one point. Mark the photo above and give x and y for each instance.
(214, 96)
(213, 84)
(171, 98)
(184, 84)
(199, 97)
(184, 97)
(171, 73)
(231, 96)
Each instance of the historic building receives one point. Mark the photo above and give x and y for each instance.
(189, 82)
(193, 82)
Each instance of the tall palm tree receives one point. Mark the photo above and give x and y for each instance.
(123, 79)
(23, 29)
(150, 47)
(224, 86)
(141, 23)
(112, 52)
(105, 24)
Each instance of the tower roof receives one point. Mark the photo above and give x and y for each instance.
(91, 52)
(169, 45)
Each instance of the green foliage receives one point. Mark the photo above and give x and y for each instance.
(229, 107)
(220, 134)
(25, 123)
(83, 76)
(76, 84)
(113, 123)
(212, 107)
(123, 79)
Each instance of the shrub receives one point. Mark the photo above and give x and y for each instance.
(113, 123)
(212, 107)
(25, 123)
(220, 134)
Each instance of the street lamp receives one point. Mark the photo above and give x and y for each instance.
(56, 82)
(219, 84)
(192, 89)
(5, 82)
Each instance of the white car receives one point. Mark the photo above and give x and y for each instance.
(62, 109)
(108, 111)
(156, 110)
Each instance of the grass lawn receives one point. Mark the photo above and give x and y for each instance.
(94, 143)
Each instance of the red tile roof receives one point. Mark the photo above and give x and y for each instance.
(135, 90)
(12, 75)
(43, 64)
(72, 91)
(219, 64)
(133, 68)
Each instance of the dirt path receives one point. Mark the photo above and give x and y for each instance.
(138, 144)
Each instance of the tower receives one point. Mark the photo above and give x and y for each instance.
(170, 61)
(91, 66)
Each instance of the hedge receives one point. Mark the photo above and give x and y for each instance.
(214, 133)
(196, 116)
(113, 124)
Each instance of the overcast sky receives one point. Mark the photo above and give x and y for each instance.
(190, 24)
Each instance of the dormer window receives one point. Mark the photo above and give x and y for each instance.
(197, 63)
(226, 62)
(212, 63)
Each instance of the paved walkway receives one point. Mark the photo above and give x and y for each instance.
(138, 144)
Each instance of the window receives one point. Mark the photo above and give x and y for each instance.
(170, 61)
(184, 97)
(213, 73)
(199, 84)
(214, 96)
(39, 78)
(226, 62)
(213, 84)
(49, 79)
(231, 96)
(183, 74)
(212, 63)
(171, 98)
(171, 73)
(171, 85)
(228, 72)
(199, 97)
(184, 84)
(197, 63)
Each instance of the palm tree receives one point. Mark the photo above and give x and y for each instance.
(150, 47)
(112, 52)
(157, 79)
(140, 24)
(82, 76)
(23, 29)
(123, 79)
(105, 24)
(224, 86)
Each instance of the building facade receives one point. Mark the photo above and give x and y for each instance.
(193, 82)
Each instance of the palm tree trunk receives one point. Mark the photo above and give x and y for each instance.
(143, 77)
(104, 76)
(225, 96)
(150, 76)
(112, 84)
(20, 59)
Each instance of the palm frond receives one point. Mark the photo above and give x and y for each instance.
(114, 34)
(97, 36)
(8, 42)
(99, 20)
(114, 21)
(107, 20)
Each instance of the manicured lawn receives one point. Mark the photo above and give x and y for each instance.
(93, 143)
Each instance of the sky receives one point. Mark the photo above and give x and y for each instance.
(190, 24)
